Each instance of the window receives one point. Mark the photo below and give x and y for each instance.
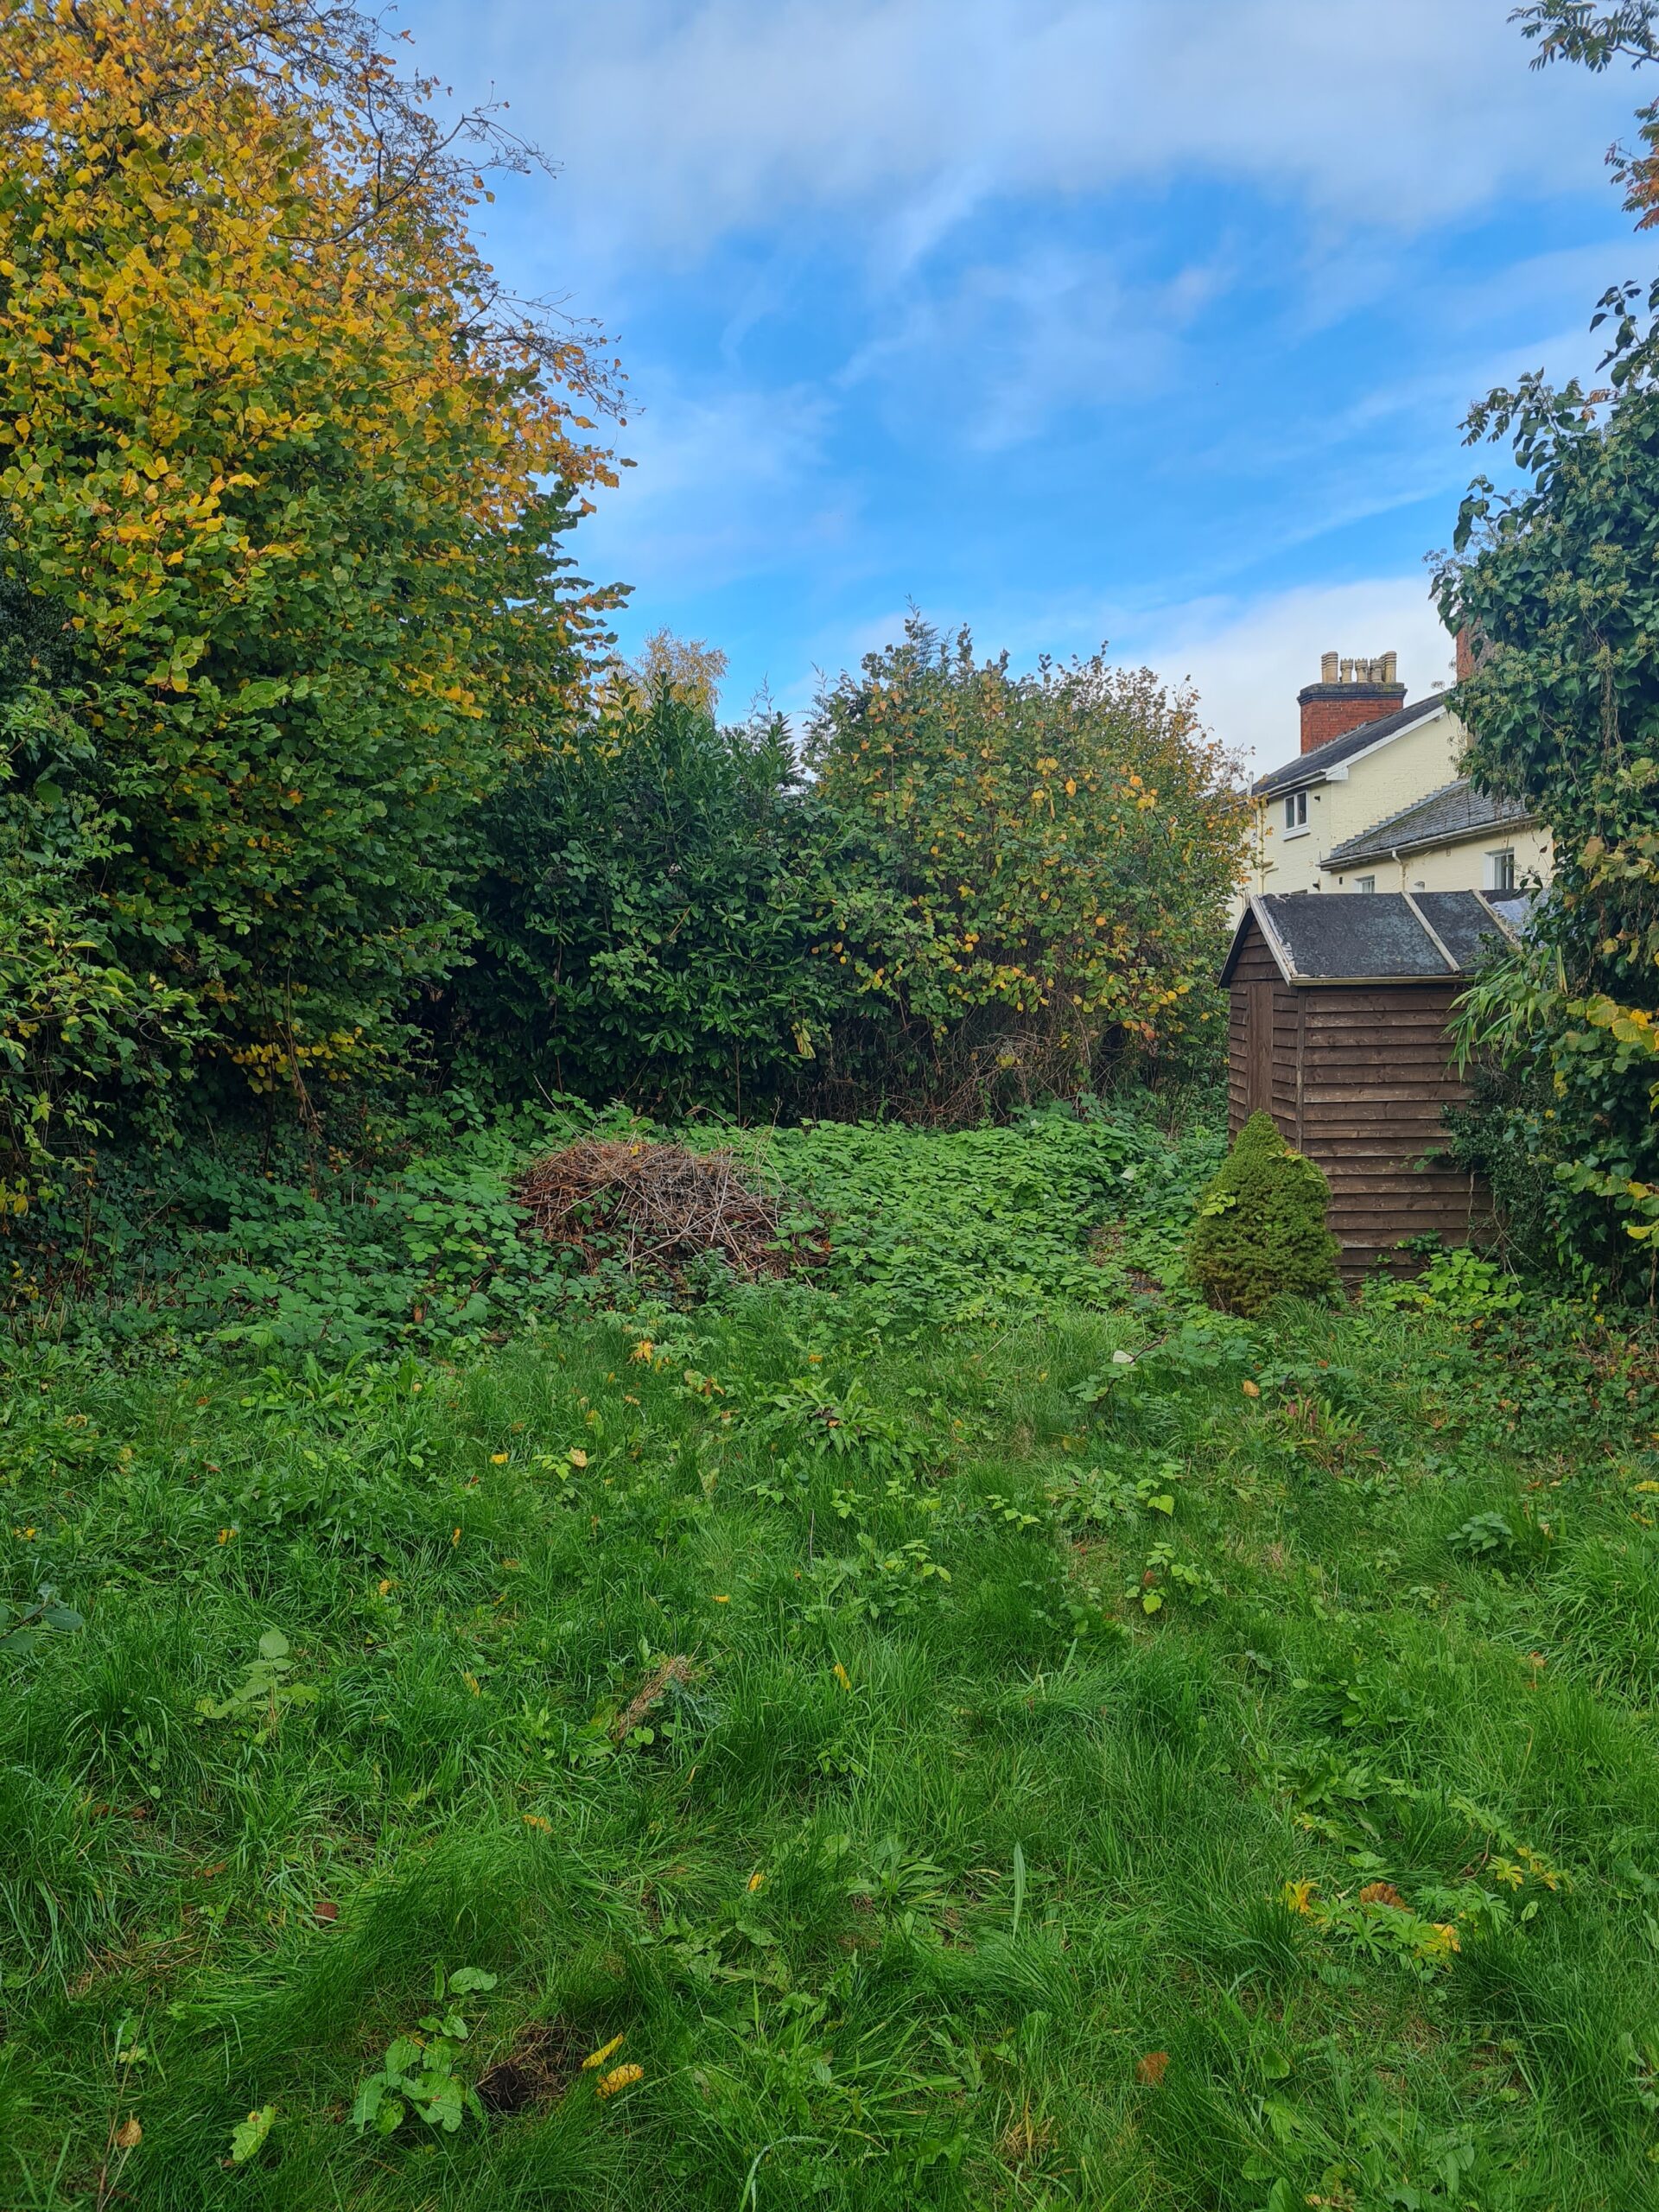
(1500, 869)
(1296, 810)
(1365, 883)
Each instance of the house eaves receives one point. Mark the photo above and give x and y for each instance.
(1310, 768)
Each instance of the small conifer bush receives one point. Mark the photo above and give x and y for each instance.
(1259, 1232)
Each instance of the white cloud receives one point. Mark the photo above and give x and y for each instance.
(1249, 658)
(1010, 341)
(721, 486)
(682, 120)
(1246, 656)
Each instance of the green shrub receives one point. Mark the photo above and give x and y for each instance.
(648, 916)
(1260, 1230)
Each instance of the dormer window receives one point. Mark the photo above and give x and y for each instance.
(1296, 810)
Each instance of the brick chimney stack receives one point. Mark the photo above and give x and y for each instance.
(1348, 693)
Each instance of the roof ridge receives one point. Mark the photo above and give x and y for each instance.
(1350, 741)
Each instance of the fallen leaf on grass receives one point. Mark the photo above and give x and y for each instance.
(128, 2135)
(248, 2136)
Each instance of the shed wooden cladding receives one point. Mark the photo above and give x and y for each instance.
(1337, 1028)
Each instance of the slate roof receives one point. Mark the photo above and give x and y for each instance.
(1455, 810)
(1308, 768)
(1389, 937)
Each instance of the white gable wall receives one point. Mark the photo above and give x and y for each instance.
(1353, 795)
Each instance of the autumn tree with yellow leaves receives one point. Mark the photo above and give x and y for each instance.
(287, 472)
(1052, 856)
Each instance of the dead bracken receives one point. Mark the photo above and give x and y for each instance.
(659, 1209)
(650, 1693)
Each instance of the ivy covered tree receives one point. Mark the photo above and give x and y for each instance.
(281, 458)
(1556, 584)
(1052, 858)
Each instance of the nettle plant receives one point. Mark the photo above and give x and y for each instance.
(264, 1693)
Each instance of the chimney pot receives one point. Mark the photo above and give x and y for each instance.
(1350, 691)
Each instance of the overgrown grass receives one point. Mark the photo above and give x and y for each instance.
(1043, 1718)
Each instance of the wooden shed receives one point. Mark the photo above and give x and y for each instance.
(1337, 1028)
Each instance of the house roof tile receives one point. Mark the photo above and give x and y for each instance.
(1457, 809)
(1309, 767)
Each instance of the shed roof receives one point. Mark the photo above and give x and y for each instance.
(1456, 811)
(1368, 937)
(1310, 767)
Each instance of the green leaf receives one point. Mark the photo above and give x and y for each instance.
(368, 2102)
(248, 2136)
(466, 1979)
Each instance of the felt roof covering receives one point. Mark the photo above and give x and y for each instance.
(1456, 811)
(1387, 937)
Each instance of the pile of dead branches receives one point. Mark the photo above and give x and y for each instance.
(658, 1210)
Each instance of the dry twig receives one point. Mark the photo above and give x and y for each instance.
(657, 1208)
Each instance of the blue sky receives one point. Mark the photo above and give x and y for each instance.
(1078, 320)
